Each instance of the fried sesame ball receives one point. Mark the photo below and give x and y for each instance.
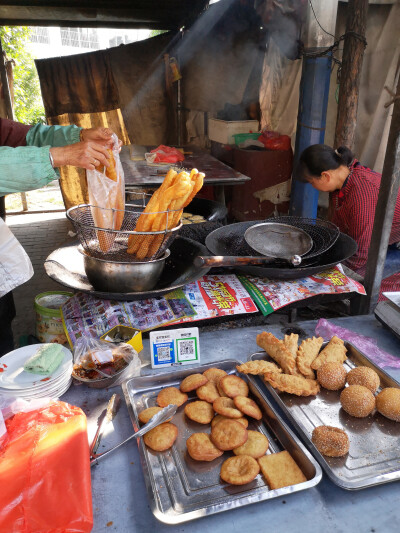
(357, 401)
(332, 376)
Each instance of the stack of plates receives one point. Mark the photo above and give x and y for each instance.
(16, 383)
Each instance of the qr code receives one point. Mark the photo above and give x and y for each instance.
(186, 349)
(163, 353)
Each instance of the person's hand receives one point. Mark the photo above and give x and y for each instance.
(86, 154)
(100, 136)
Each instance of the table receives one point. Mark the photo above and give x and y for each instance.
(140, 174)
(119, 494)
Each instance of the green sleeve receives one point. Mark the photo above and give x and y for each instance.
(25, 168)
(41, 135)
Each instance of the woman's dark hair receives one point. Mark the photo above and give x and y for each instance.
(319, 158)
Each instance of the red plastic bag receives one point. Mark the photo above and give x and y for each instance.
(164, 154)
(45, 472)
(272, 140)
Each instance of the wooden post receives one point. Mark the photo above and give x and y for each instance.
(352, 59)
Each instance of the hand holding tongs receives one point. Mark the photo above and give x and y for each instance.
(156, 420)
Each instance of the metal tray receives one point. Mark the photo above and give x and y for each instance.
(374, 455)
(181, 489)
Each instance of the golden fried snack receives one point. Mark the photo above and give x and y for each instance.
(208, 392)
(307, 352)
(332, 376)
(388, 403)
(363, 375)
(276, 349)
(334, 351)
(357, 401)
(256, 445)
(144, 416)
(330, 441)
(239, 470)
(258, 367)
(228, 434)
(280, 470)
(214, 374)
(171, 395)
(161, 437)
(111, 171)
(201, 448)
(234, 386)
(221, 392)
(297, 385)
(248, 407)
(226, 407)
(199, 411)
(192, 382)
(218, 418)
(291, 343)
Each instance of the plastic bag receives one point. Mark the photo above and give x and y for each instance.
(272, 140)
(108, 195)
(15, 265)
(164, 154)
(95, 360)
(367, 345)
(45, 472)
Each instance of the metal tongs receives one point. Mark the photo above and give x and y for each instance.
(156, 420)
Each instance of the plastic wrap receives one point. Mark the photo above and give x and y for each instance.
(367, 345)
(45, 472)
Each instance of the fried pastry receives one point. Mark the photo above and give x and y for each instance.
(357, 401)
(171, 395)
(388, 403)
(214, 374)
(228, 434)
(332, 376)
(218, 418)
(258, 367)
(201, 448)
(239, 470)
(297, 385)
(144, 416)
(234, 386)
(256, 445)
(220, 391)
(276, 349)
(248, 407)
(161, 437)
(280, 470)
(330, 441)
(334, 351)
(199, 411)
(363, 375)
(208, 392)
(307, 352)
(291, 342)
(226, 407)
(193, 382)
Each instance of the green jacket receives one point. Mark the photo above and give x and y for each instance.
(28, 167)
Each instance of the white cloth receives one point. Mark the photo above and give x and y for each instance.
(15, 265)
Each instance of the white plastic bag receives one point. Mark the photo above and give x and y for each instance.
(108, 195)
(15, 265)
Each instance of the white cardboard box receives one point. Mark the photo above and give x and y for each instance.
(222, 131)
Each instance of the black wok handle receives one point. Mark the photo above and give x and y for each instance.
(222, 260)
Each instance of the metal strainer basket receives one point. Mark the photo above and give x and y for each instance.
(112, 245)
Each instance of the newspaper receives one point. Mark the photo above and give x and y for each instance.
(272, 294)
(209, 297)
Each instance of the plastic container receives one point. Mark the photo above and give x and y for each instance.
(223, 131)
(49, 327)
(241, 137)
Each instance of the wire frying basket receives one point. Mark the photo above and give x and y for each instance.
(125, 244)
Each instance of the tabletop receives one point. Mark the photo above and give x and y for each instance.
(140, 174)
(119, 495)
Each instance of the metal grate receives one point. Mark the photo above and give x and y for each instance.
(112, 245)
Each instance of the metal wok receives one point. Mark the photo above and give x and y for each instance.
(227, 241)
(65, 265)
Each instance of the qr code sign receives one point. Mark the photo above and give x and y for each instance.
(163, 353)
(187, 349)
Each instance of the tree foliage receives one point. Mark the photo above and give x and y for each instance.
(28, 105)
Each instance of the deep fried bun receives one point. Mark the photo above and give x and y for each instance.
(330, 441)
(357, 401)
(332, 376)
(365, 376)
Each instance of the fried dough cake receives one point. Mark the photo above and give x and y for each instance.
(199, 411)
(208, 392)
(218, 418)
(193, 382)
(228, 434)
(307, 352)
(334, 352)
(201, 448)
(233, 386)
(255, 446)
(300, 386)
(171, 395)
(214, 374)
(280, 470)
(226, 407)
(276, 349)
(248, 407)
(239, 470)
(258, 367)
(161, 437)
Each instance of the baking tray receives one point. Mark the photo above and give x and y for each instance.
(181, 489)
(374, 455)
